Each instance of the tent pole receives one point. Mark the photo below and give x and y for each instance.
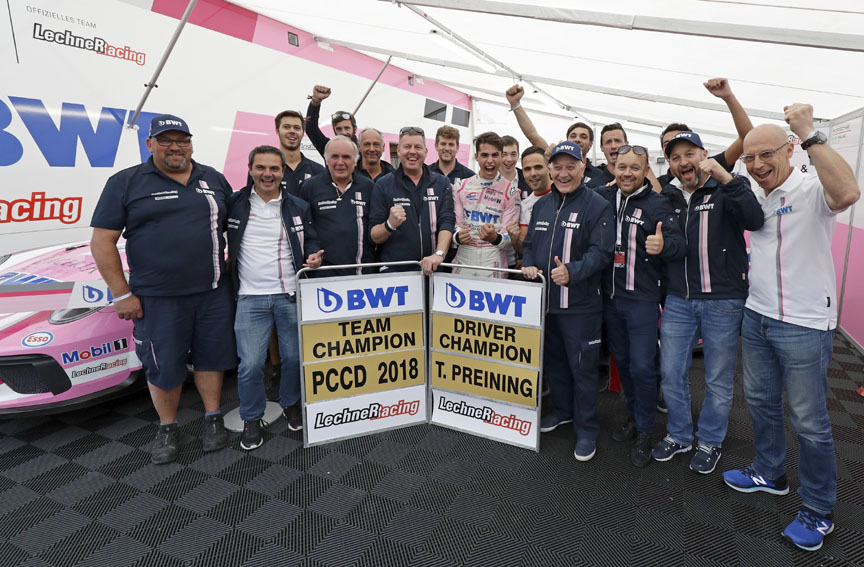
(162, 62)
(369, 90)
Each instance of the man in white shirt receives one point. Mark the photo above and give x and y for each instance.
(790, 316)
(270, 232)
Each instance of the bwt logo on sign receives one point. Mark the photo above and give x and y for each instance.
(356, 299)
(92, 294)
(485, 301)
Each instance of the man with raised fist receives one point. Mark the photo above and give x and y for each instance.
(790, 317)
(706, 293)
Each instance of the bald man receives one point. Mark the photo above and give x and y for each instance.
(790, 316)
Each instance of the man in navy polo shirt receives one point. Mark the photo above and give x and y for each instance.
(290, 126)
(372, 147)
(447, 146)
(172, 212)
(343, 122)
(340, 199)
(412, 208)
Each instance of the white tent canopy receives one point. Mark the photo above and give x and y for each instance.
(642, 65)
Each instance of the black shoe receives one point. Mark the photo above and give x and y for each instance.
(213, 435)
(294, 415)
(252, 438)
(640, 454)
(166, 445)
(626, 431)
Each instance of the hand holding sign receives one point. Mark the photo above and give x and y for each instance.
(559, 273)
(654, 242)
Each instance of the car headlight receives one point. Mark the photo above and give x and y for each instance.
(63, 316)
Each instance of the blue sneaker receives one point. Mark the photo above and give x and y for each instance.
(585, 449)
(808, 529)
(748, 480)
(551, 421)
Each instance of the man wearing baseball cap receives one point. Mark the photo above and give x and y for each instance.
(172, 212)
(570, 241)
(705, 297)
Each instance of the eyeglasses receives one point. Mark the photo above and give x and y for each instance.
(413, 130)
(764, 156)
(638, 150)
(166, 142)
(341, 116)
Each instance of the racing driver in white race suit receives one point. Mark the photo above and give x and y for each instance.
(484, 206)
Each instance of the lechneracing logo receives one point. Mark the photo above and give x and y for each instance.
(374, 411)
(486, 415)
(95, 44)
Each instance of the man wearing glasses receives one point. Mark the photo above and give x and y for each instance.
(790, 317)
(647, 234)
(412, 208)
(343, 122)
(172, 212)
(706, 293)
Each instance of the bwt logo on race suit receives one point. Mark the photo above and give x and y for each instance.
(355, 299)
(478, 300)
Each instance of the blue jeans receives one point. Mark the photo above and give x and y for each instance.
(570, 362)
(778, 355)
(631, 326)
(256, 315)
(718, 322)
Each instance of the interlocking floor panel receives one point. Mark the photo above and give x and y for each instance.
(78, 489)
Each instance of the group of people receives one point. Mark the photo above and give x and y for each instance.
(616, 245)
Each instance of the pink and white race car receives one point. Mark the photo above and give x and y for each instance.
(53, 358)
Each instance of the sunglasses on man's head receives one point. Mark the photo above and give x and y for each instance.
(412, 130)
(342, 116)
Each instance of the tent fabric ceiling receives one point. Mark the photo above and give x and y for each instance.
(652, 70)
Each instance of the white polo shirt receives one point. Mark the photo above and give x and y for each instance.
(791, 270)
(266, 265)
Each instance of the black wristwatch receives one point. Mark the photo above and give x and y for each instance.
(817, 138)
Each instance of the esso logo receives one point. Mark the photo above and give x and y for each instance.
(37, 339)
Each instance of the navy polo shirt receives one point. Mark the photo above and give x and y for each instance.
(174, 233)
(459, 172)
(385, 169)
(293, 178)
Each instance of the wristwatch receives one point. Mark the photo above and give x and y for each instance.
(439, 253)
(817, 137)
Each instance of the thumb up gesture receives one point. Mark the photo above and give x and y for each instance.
(559, 273)
(654, 242)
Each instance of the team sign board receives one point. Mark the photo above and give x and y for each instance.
(364, 355)
(485, 357)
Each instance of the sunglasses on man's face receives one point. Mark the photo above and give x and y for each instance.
(638, 150)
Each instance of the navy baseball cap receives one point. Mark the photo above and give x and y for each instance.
(567, 148)
(167, 122)
(691, 137)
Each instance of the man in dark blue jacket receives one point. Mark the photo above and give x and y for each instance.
(646, 235)
(270, 233)
(706, 294)
(412, 208)
(290, 127)
(340, 199)
(570, 240)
